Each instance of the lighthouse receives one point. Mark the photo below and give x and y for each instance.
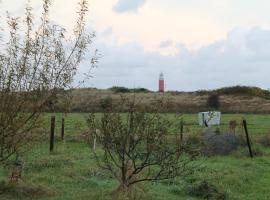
(161, 84)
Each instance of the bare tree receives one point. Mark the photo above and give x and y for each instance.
(35, 61)
(138, 147)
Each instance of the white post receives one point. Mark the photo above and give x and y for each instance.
(95, 140)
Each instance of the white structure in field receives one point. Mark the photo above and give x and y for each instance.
(209, 118)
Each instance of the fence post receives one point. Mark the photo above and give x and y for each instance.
(52, 133)
(247, 137)
(95, 141)
(63, 129)
(181, 129)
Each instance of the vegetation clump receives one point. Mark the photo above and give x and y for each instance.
(117, 89)
(23, 190)
(34, 64)
(136, 147)
(219, 143)
(204, 189)
(213, 102)
(238, 90)
(106, 103)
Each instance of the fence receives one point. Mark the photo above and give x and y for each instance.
(73, 126)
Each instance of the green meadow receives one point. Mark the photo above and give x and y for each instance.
(70, 172)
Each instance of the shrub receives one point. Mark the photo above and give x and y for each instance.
(219, 143)
(117, 89)
(106, 103)
(136, 148)
(38, 60)
(238, 90)
(213, 102)
(205, 190)
(142, 90)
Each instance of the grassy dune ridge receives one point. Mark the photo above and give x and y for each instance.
(238, 99)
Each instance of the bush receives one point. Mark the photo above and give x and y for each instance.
(135, 143)
(213, 102)
(117, 89)
(205, 190)
(192, 145)
(219, 143)
(211, 143)
(238, 90)
(106, 103)
(141, 90)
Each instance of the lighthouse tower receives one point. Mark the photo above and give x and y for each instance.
(161, 85)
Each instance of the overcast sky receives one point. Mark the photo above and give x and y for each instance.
(197, 44)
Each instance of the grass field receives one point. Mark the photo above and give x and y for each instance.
(257, 123)
(71, 173)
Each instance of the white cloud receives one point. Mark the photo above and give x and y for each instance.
(242, 58)
(128, 5)
(201, 54)
(166, 44)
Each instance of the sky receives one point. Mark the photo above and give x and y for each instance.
(197, 44)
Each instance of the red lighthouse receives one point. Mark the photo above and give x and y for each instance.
(161, 84)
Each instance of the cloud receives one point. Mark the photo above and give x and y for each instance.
(128, 5)
(107, 32)
(242, 58)
(166, 44)
(131, 48)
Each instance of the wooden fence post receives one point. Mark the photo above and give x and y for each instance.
(63, 129)
(52, 133)
(95, 140)
(181, 129)
(247, 137)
